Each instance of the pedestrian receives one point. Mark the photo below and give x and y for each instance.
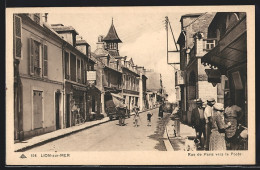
(160, 111)
(217, 136)
(232, 114)
(207, 114)
(149, 116)
(136, 117)
(198, 122)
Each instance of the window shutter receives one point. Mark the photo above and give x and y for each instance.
(17, 37)
(45, 60)
(31, 56)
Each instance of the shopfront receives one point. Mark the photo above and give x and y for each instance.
(75, 98)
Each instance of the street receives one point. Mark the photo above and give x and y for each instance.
(112, 137)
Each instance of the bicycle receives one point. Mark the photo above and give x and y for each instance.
(78, 118)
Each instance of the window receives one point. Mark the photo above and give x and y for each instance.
(67, 74)
(209, 44)
(82, 72)
(45, 60)
(38, 55)
(73, 67)
(17, 37)
(124, 81)
(108, 79)
(78, 71)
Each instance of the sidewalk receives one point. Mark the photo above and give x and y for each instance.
(41, 139)
(178, 143)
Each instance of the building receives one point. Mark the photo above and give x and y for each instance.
(38, 77)
(143, 103)
(229, 56)
(154, 88)
(192, 78)
(120, 76)
(77, 64)
(109, 73)
(130, 84)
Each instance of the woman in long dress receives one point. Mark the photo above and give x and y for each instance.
(217, 136)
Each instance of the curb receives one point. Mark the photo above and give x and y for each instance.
(167, 142)
(57, 137)
(22, 149)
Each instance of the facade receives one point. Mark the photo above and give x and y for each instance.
(77, 90)
(230, 56)
(51, 69)
(38, 79)
(194, 44)
(130, 84)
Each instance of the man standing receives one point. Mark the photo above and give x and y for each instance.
(198, 121)
(207, 114)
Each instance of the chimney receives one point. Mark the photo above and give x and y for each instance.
(100, 43)
(45, 17)
(100, 38)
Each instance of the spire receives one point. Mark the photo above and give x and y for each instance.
(112, 35)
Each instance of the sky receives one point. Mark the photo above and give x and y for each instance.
(142, 30)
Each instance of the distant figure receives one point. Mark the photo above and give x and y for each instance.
(161, 111)
(149, 116)
(136, 116)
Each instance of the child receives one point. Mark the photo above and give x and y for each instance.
(136, 116)
(149, 115)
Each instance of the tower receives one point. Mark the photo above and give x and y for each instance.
(112, 40)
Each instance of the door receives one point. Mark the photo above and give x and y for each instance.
(57, 110)
(67, 110)
(37, 109)
(93, 104)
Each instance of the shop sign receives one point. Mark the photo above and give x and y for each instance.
(79, 88)
(214, 76)
(179, 77)
(91, 75)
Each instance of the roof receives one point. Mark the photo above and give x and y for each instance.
(61, 28)
(81, 42)
(114, 53)
(101, 52)
(112, 35)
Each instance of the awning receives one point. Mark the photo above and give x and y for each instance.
(231, 49)
(117, 96)
(117, 99)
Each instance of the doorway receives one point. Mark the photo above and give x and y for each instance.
(67, 110)
(57, 110)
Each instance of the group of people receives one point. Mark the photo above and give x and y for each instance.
(137, 117)
(217, 125)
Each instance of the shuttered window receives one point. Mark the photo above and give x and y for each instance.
(45, 60)
(38, 58)
(82, 72)
(17, 37)
(31, 56)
